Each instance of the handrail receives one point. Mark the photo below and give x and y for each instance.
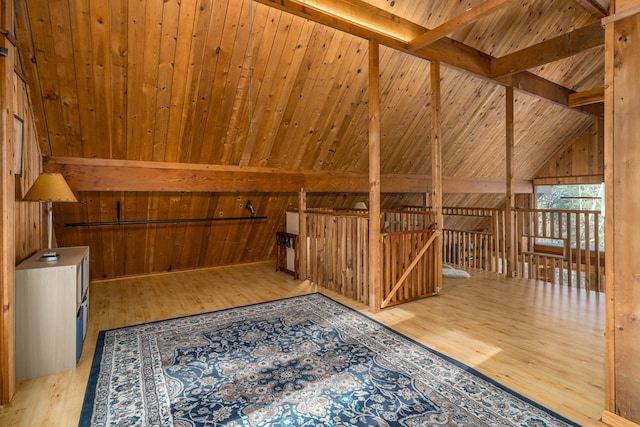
(405, 232)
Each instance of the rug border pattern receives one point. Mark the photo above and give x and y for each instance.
(94, 399)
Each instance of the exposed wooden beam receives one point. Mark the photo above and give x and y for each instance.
(450, 52)
(347, 16)
(84, 174)
(547, 90)
(594, 6)
(551, 50)
(624, 14)
(462, 20)
(587, 97)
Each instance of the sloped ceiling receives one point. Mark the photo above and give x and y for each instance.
(240, 83)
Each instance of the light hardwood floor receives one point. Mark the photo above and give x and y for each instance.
(545, 342)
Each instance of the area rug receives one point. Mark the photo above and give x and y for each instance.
(302, 361)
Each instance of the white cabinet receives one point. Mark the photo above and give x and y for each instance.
(52, 303)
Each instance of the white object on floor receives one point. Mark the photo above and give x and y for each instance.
(452, 273)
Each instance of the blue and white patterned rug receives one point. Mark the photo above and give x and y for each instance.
(302, 361)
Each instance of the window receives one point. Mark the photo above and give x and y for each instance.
(577, 197)
(580, 197)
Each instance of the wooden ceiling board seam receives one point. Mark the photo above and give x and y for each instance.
(333, 106)
(353, 155)
(260, 140)
(46, 66)
(406, 125)
(180, 130)
(118, 61)
(547, 124)
(234, 90)
(467, 148)
(71, 108)
(28, 55)
(216, 63)
(355, 132)
(288, 61)
(260, 148)
(307, 111)
(150, 69)
(135, 63)
(304, 81)
(317, 149)
(100, 26)
(267, 56)
(417, 132)
(180, 64)
(340, 155)
(199, 90)
(171, 18)
(298, 34)
(326, 136)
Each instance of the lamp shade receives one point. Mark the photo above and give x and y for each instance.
(50, 187)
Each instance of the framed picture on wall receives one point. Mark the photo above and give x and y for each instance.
(18, 135)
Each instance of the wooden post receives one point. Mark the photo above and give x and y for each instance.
(7, 199)
(302, 235)
(436, 172)
(609, 225)
(510, 249)
(622, 237)
(375, 282)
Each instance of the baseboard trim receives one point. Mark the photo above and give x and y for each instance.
(613, 420)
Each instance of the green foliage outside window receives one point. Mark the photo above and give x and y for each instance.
(583, 197)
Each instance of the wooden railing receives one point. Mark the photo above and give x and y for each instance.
(407, 266)
(563, 247)
(482, 249)
(470, 249)
(338, 254)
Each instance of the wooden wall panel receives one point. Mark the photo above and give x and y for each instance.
(137, 249)
(585, 157)
(21, 225)
(30, 218)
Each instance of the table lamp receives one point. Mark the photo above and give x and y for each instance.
(50, 187)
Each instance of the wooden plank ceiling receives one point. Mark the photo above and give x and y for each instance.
(245, 84)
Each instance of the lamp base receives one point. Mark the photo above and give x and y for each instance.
(49, 257)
